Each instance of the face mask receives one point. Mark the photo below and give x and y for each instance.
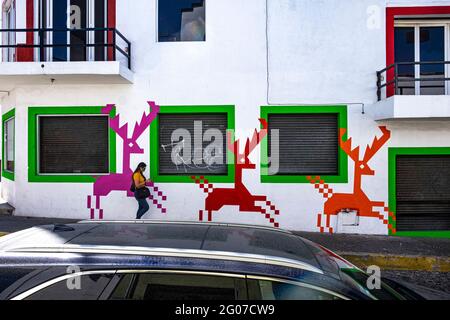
(143, 169)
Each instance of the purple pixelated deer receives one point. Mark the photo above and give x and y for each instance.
(122, 181)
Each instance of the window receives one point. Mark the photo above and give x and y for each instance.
(90, 288)
(277, 290)
(12, 277)
(191, 141)
(421, 205)
(70, 144)
(172, 286)
(8, 145)
(181, 20)
(427, 42)
(359, 280)
(53, 14)
(419, 180)
(73, 144)
(303, 141)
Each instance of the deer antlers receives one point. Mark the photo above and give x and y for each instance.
(377, 144)
(370, 150)
(347, 146)
(146, 119)
(139, 128)
(250, 144)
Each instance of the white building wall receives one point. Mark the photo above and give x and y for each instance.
(320, 52)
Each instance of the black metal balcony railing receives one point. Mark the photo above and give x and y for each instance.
(404, 82)
(112, 35)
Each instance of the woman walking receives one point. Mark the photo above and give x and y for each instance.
(141, 192)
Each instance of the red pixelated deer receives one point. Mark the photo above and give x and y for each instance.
(357, 200)
(239, 195)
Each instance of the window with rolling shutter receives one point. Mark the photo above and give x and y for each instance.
(423, 192)
(198, 161)
(303, 141)
(73, 144)
(307, 144)
(187, 141)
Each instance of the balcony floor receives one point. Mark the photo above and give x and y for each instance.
(13, 74)
(411, 107)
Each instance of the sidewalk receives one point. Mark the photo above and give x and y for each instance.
(10, 224)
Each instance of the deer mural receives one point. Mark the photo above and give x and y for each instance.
(239, 195)
(358, 200)
(122, 181)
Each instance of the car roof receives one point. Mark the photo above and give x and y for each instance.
(229, 241)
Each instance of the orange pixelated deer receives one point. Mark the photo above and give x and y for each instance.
(357, 200)
(239, 195)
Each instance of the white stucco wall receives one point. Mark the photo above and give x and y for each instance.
(320, 52)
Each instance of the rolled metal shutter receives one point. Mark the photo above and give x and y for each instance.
(168, 123)
(308, 143)
(73, 144)
(423, 193)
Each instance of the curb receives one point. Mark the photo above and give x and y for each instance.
(399, 262)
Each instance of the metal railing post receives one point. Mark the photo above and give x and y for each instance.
(379, 85)
(41, 45)
(114, 44)
(129, 56)
(396, 79)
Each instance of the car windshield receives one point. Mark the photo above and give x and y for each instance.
(361, 280)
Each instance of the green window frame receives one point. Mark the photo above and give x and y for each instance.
(410, 151)
(10, 115)
(33, 114)
(340, 110)
(154, 144)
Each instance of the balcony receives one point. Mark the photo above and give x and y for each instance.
(65, 56)
(413, 90)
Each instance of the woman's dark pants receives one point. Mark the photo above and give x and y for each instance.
(143, 207)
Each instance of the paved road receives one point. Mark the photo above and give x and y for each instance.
(435, 280)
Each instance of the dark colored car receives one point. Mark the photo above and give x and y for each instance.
(139, 260)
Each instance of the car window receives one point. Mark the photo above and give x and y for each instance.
(275, 290)
(170, 286)
(384, 292)
(90, 287)
(10, 276)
